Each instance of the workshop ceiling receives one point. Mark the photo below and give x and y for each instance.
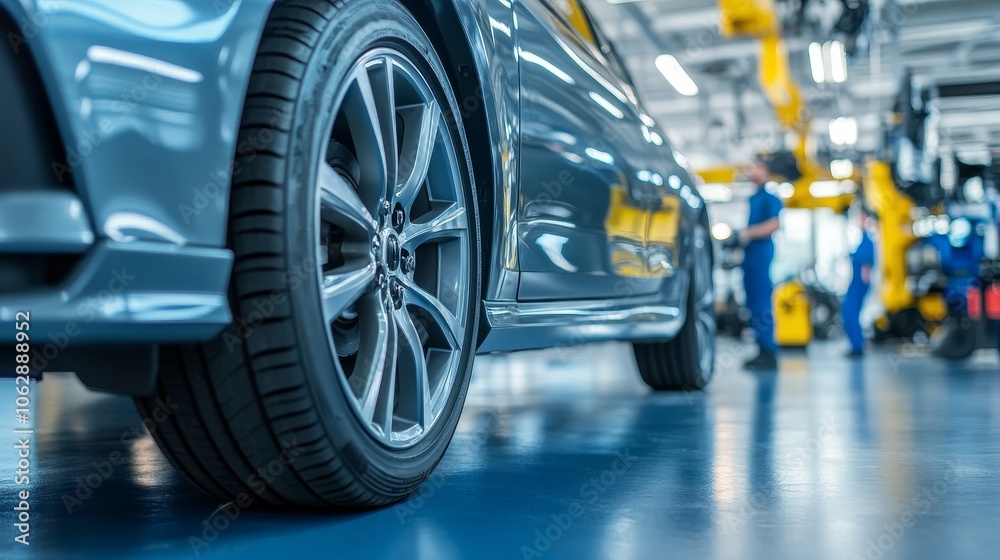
(942, 41)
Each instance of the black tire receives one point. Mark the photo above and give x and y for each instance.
(686, 363)
(263, 414)
(957, 339)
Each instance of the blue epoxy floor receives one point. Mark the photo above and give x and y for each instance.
(897, 456)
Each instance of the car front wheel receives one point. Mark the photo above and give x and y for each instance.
(357, 269)
(687, 362)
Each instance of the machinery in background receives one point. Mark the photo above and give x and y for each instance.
(907, 315)
(759, 19)
(731, 316)
(984, 300)
(965, 240)
(824, 307)
(804, 309)
(792, 315)
(933, 239)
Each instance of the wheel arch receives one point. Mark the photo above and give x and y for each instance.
(483, 75)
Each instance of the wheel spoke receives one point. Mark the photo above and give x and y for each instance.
(343, 286)
(414, 295)
(381, 76)
(361, 110)
(384, 396)
(377, 344)
(337, 195)
(422, 123)
(449, 221)
(413, 367)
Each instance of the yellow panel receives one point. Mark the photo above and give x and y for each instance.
(719, 174)
(748, 18)
(664, 223)
(895, 233)
(625, 221)
(574, 14)
(792, 322)
(777, 83)
(933, 308)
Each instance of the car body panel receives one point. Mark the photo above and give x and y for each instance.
(490, 32)
(147, 96)
(598, 180)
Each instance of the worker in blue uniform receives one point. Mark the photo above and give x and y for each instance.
(862, 261)
(758, 253)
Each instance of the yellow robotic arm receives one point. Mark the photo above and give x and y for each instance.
(758, 18)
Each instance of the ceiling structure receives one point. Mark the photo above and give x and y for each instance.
(942, 41)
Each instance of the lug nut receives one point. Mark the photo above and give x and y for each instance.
(409, 262)
(396, 291)
(385, 208)
(398, 217)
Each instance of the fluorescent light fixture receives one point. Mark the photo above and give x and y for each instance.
(838, 62)
(844, 131)
(842, 168)
(816, 63)
(785, 190)
(825, 189)
(675, 74)
(714, 192)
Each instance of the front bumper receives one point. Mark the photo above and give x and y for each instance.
(130, 293)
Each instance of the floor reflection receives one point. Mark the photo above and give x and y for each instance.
(825, 459)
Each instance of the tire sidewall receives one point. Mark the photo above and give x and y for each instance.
(690, 328)
(354, 31)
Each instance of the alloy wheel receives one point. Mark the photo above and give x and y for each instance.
(394, 247)
(704, 300)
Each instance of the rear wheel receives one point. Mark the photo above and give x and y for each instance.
(688, 361)
(353, 224)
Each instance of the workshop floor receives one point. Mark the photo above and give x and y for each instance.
(565, 454)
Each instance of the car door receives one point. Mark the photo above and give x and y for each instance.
(583, 163)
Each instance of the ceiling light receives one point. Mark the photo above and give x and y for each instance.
(844, 131)
(711, 192)
(722, 231)
(816, 62)
(842, 168)
(675, 74)
(825, 189)
(838, 62)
